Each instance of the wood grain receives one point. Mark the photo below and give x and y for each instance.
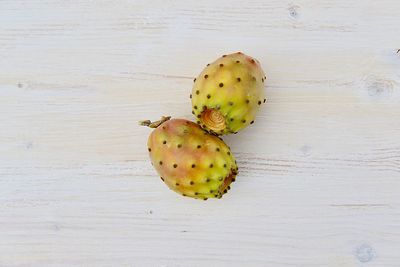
(319, 170)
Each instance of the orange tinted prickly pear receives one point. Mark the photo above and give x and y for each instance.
(189, 160)
(228, 93)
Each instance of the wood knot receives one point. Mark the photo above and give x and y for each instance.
(294, 11)
(379, 87)
(364, 253)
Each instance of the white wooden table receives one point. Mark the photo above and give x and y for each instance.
(319, 178)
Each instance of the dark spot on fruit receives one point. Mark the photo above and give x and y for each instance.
(229, 188)
(253, 61)
(259, 102)
(199, 116)
(211, 191)
(265, 100)
(218, 149)
(224, 165)
(191, 183)
(163, 127)
(233, 180)
(190, 96)
(188, 122)
(206, 76)
(205, 198)
(211, 165)
(160, 162)
(193, 112)
(244, 121)
(225, 191)
(149, 149)
(218, 107)
(254, 78)
(204, 107)
(247, 101)
(262, 79)
(194, 80)
(198, 122)
(223, 55)
(215, 195)
(221, 84)
(231, 119)
(195, 107)
(175, 165)
(177, 184)
(196, 193)
(235, 132)
(164, 142)
(208, 96)
(230, 103)
(251, 122)
(162, 179)
(221, 65)
(238, 79)
(239, 53)
(184, 195)
(197, 92)
(193, 165)
(179, 145)
(229, 153)
(208, 64)
(208, 180)
(237, 61)
(220, 178)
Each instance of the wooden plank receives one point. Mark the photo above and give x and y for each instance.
(319, 170)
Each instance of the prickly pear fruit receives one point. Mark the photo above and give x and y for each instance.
(189, 160)
(228, 93)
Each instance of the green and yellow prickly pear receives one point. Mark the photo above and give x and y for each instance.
(228, 93)
(189, 160)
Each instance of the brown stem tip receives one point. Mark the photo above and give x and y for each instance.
(154, 124)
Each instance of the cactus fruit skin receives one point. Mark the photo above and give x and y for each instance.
(191, 161)
(228, 93)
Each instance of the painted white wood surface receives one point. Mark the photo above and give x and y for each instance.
(319, 178)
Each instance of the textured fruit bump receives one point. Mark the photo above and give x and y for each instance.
(191, 161)
(228, 93)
